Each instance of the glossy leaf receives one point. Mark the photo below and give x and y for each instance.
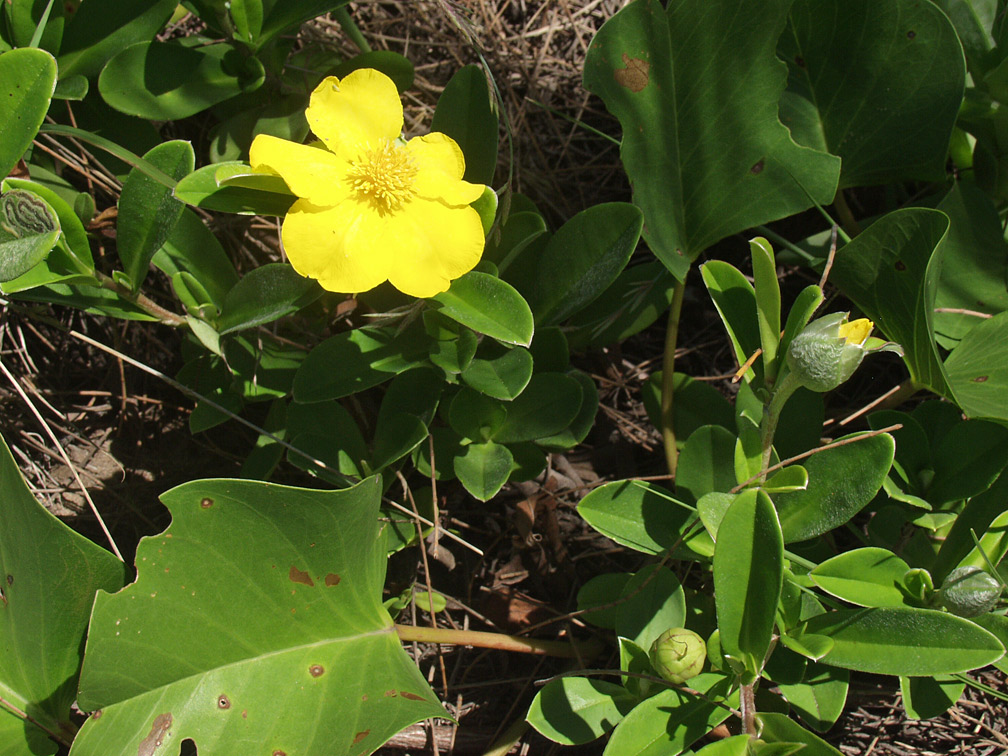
(891, 272)
(503, 377)
(583, 422)
(700, 176)
(977, 369)
(735, 300)
(201, 189)
(288, 583)
(651, 603)
(705, 462)
(165, 81)
(748, 574)
(148, 211)
(483, 468)
(778, 728)
(842, 480)
(466, 112)
(602, 591)
(27, 82)
(904, 641)
(967, 459)
(51, 575)
(101, 28)
(29, 229)
(265, 294)
(576, 710)
(768, 302)
(194, 248)
(929, 697)
(582, 259)
(867, 577)
(547, 406)
(885, 79)
(25, 16)
(290, 14)
(976, 517)
(635, 514)
(669, 722)
(819, 699)
(356, 360)
(488, 305)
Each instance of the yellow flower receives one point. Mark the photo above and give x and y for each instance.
(371, 207)
(856, 331)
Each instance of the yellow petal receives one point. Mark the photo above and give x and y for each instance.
(435, 245)
(856, 331)
(313, 173)
(341, 246)
(363, 108)
(440, 167)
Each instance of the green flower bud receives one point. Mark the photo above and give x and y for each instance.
(678, 654)
(969, 591)
(828, 350)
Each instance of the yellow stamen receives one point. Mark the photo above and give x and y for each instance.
(383, 176)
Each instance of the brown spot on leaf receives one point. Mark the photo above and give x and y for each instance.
(206, 503)
(278, 752)
(410, 696)
(223, 702)
(316, 670)
(981, 378)
(757, 168)
(635, 76)
(389, 694)
(911, 34)
(96, 714)
(332, 579)
(799, 61)
(244, 713)
(364, 697)
(10, 580)
(156, 736)
(360, 736)
(900, 265)
(299, 576)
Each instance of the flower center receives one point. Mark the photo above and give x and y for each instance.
(383, 176)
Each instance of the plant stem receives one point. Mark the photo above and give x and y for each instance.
(563, 649)
(787, 386)
(847, 219)
(167, 317)
(668, 377)
(747, 703)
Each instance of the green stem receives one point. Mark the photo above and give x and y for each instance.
(847, 220)
(787, 386)
(350, 28)
(167, 317)
(668, 377)
(500, 641)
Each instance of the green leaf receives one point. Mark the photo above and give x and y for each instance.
(201, 189)
(636, 514)
(735, 300)
(476, 416)
(582, 259)
(866, 577)
(976, 517)
(805, 305)
(357, 360)
(488, 305)
(406, 409)
(578, 428)
(778, 728)
(503, 377)
(904, 641)
(29, 229)
(842, 480)
(929, 697)
(700, 176)
(602, 591)
(706, 462)
(286, 584)
(290, 14)
(24, 17)
(101, 28)
(768, 302)
(977, 369)
(576, 710)
(791, 478)
(466, 112)
(549, 403)
(50, 576)
(885, 79)
(974, 263)
(247, 16)
(192, 247)
(483, 468)
(890, 271)
(165, 81)
(651, 603)
(147, 210)
(820, 698)
(27, 83)
(748, 575)
(669, 722)
(967, 460)
(265, 294)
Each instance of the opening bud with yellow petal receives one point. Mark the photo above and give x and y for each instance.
(678, 654)
(828, 350)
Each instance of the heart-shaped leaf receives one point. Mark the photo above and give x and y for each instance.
(696, 89)
(256, 618)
